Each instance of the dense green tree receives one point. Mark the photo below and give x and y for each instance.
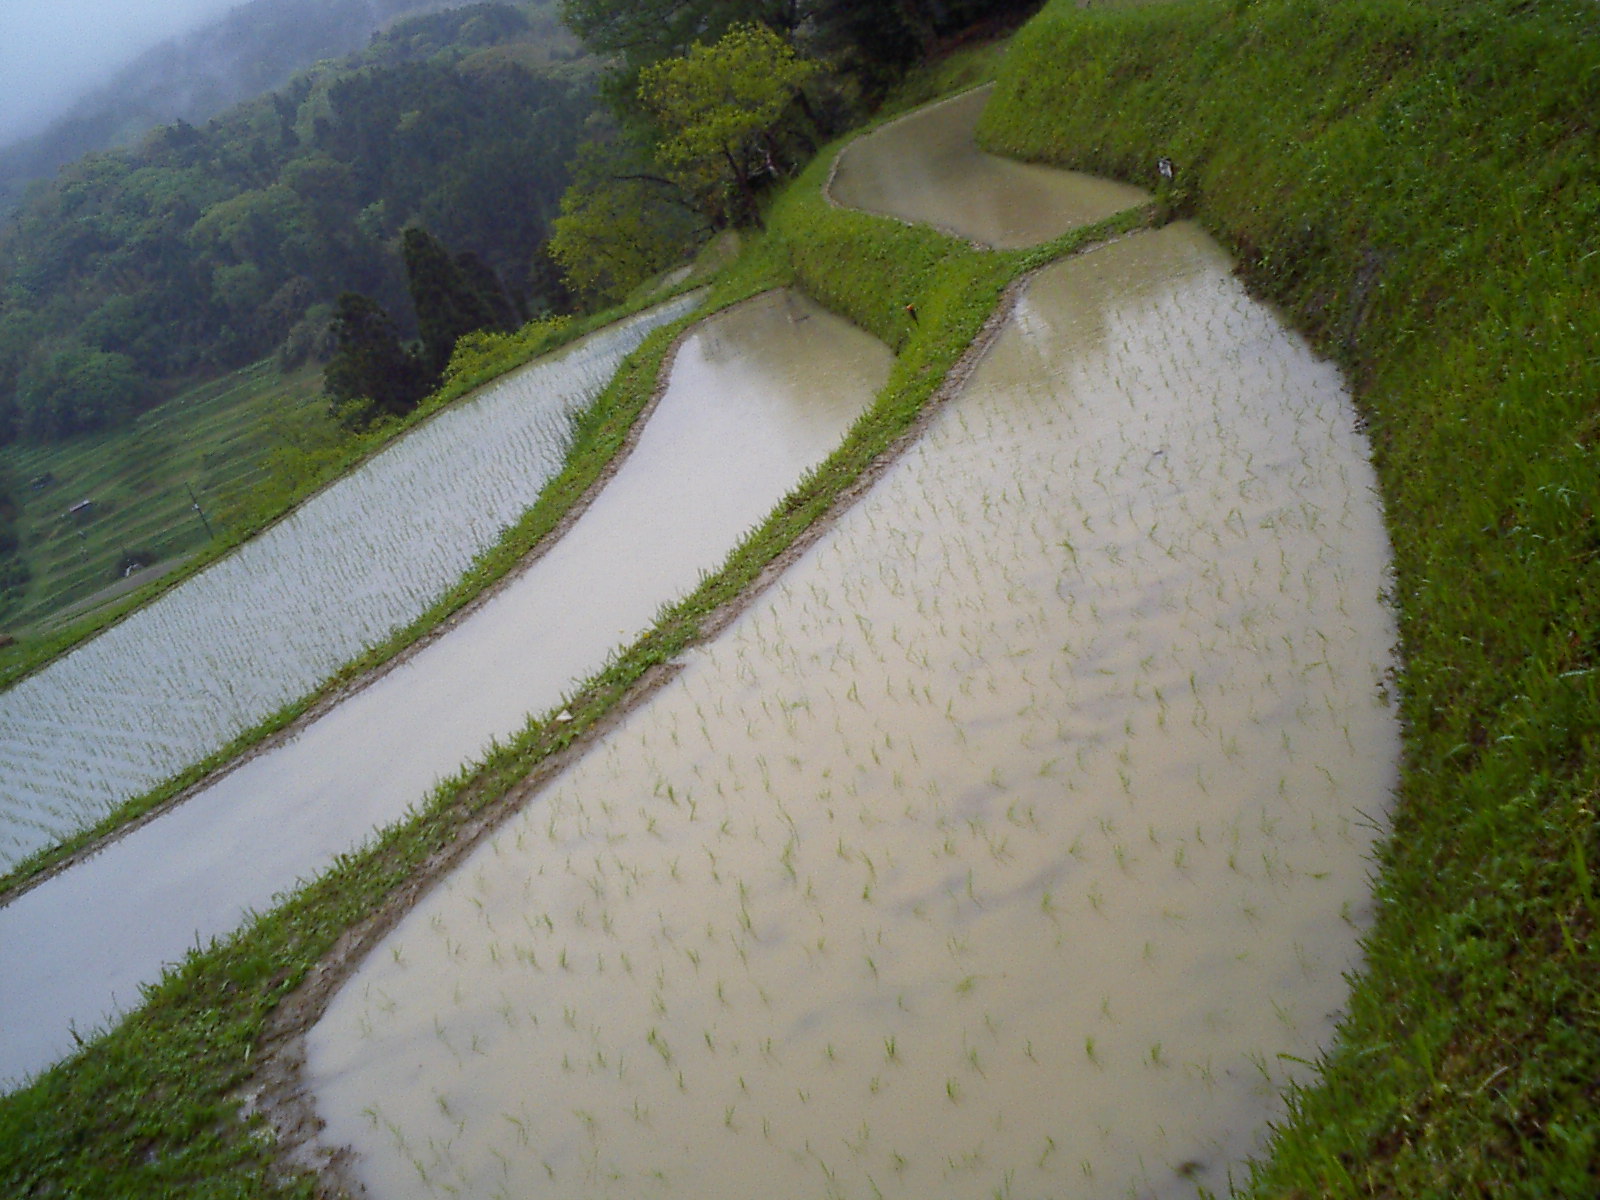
(718, 108)
(76, 389)
(325, 187)
(251, 227)
(310, 339)
(621, 222)
(20, 330)
(204, 247)
(371, 374)
(873, 40)
(492, 296)
(448, 300)
(122, 325)
(642, 32)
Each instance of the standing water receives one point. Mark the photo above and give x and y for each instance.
(182, 678)
(757, 396)
(1014, 843)
(926, 167)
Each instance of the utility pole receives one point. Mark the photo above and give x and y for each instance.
(200, 511)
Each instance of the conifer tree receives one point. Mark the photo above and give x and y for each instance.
(371, 373)
(449, 301)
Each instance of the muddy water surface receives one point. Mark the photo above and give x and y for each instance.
(757, 396)
(180, 679)
(1014, 843)
(926, 167)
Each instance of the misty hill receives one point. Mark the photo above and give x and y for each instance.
(255, 48)
(205, 247)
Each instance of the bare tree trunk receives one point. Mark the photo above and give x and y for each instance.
(746, 192)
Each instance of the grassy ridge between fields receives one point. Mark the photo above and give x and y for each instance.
(1416, 185)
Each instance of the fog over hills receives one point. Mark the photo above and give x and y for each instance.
(253, 48)
(53, 52)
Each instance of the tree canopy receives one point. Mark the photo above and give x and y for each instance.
(372, 373)
(450, 296)
(77, 389)
(622, 221)
(204, 248)
(641, 32)
(718, 107)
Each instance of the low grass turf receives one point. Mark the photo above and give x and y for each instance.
(1416, 185)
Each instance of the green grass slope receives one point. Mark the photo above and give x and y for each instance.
(1416, 184)
(213, 438)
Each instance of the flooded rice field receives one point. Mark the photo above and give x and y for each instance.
(1014, 843)
(182, 678)
(926, 167)
(757, 396)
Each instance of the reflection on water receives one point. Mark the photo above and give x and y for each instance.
(757, 396)
(180, 679)
(1014, 843)
(926, 167)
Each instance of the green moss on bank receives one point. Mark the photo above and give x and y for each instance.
(1416, 185)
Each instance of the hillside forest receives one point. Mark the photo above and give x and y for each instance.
(249, 50)
(469, 169)
(205, 248)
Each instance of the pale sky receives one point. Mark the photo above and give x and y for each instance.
(52, 51)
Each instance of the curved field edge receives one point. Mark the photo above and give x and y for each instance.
(278, 500)
(151, 1106)
(1415, 185)
(600, 432)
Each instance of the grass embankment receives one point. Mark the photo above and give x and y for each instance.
(214, 438)
(1416, 185)
(150, 1109)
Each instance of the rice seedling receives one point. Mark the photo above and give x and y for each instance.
(938, 841)
(356, 820)
(287, 610)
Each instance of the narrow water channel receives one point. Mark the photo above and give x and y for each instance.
(182, 678)
(1014, 843)
(757, 396)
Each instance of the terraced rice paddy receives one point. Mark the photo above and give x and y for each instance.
(180, 679)
(925, 167)
(757, 396)
(1014, 843)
